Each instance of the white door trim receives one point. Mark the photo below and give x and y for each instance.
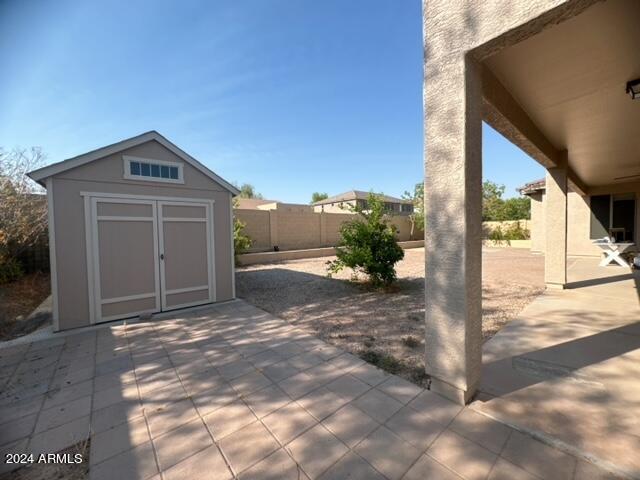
(88, 238)
(55, 313)
(124, 219)
(233, 248)
(187, 290)
(208, 220)
(128, 298)
(93, 266)
(91, 200)
(146, 197)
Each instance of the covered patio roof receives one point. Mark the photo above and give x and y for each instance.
(569, 81)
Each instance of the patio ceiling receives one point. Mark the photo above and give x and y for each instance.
(570, 79)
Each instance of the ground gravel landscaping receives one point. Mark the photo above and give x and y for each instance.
(385, 327)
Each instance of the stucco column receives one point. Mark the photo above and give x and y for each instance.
(555, 258)
(453, 245)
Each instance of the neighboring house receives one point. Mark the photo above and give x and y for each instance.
(345, 201)
(609, 212)
(136, 227)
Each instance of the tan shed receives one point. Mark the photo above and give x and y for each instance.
(136, 227)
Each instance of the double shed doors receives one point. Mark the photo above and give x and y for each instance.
(149, 256)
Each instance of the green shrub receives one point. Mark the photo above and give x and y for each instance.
(241, 241)
(496, 234)
(516, 232)
(10, 270)
(368, 245)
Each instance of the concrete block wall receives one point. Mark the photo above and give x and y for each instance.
(488, 227)
(256, 227)
(333, 223)
(296, 230)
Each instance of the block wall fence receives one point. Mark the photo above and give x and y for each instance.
(290, 230)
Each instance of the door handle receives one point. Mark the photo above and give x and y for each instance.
(162, 256)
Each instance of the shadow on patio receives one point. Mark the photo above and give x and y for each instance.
(568, 368)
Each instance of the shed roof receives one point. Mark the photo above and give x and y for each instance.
(42, 174)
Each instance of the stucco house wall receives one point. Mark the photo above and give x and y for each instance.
(536, 224)
(579, 242)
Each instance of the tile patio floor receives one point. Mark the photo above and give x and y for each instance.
(234, 392)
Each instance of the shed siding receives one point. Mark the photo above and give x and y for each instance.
(106, 176)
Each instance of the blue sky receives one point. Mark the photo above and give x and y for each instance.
(292, 96)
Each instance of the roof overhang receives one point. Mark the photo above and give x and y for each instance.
(560, 95)
(42, 174)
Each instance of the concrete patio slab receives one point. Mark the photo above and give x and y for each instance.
(573, 358)
(207, 394)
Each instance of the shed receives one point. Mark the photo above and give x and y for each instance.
(136, 227)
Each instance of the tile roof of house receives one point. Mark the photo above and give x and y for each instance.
(359, 195)
(532, 187)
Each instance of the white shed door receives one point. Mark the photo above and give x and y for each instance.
(126, 268)
(186, 269)
(149, 256)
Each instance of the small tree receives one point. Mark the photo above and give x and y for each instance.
(23, 212)
(317, 196)
(417, 217)
(368, 244)
(495, 208)
(517, 208)
(248, 191)
(492, 201)
(241, 241)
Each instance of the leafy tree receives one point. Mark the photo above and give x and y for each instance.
(495, 208)
(517, 208)
(317, 196)
(492, 200)
(241, 241)
(248, 191)
(417, 217)
(23, 210)
(368, 244)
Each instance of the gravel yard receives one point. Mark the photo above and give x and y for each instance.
(385, 327)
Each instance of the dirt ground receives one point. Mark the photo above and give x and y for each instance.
(17, 300)
(385, 327)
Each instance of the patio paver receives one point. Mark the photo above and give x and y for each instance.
(231, 390)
